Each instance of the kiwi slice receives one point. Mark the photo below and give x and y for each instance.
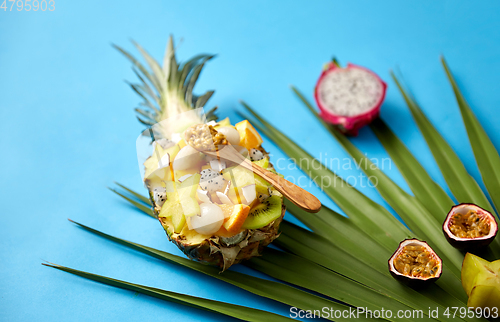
(263, 213)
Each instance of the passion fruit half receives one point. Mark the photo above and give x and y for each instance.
(469, 227)
(415, 263)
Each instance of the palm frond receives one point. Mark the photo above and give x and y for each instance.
(236, 311)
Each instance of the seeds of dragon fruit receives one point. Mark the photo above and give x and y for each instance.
(256, 155)
(349, 97)
(159, 196)
(211, 180)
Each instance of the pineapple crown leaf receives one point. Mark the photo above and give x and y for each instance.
(168, 89)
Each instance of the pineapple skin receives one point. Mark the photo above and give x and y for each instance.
(214, 252)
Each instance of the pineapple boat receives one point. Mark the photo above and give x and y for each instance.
(215, 211)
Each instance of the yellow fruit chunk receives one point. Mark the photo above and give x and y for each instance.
(227, 210)
(237, 218)
(182, 143)
(481, 282)
(224, 122)
(249, 137)
(156, 168)
(181, 173)
(264, 163)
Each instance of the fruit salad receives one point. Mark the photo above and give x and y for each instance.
(215, 211)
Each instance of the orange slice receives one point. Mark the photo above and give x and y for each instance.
(237, 218)
(249, 137)
(227, 210)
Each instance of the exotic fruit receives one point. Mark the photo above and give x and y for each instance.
(469, 227)
(481, 282)
(349, 97)
(215, 211)
(415, 263)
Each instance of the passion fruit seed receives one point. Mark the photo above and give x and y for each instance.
(469, 225)
(416, 261)
(204, 137)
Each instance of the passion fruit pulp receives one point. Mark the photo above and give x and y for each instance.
(415, 263)
(469, 227)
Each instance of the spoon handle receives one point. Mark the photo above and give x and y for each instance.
(292, 192)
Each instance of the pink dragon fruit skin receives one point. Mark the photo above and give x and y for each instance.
(352, 123)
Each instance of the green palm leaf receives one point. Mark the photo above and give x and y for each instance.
(418, 218)
(311, 246)
(487, 157)
(426, 190)
(268, 289)
(320, 251)
(135, 194)
(370, 217)
(357, 210)
(232, 310)
(135, 203)
(461, 183)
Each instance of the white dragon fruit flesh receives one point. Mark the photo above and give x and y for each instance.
(256, 155)
(349, 97)
(159, 196)
(211, 180)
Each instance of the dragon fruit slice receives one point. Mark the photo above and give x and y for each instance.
(349, 97)
(256, 155)
(211, 180)
(159, 196)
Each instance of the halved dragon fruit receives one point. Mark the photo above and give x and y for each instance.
(349, 97)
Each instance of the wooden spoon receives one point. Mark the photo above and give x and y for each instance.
(292, 192)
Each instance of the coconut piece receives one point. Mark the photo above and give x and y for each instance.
(249, 193)
(230, 133)
(224, 199)
(217, 165)
(188, 157)
(209, 220)
(203, 196)
(184, 177)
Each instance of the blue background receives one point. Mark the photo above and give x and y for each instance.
(67, 128)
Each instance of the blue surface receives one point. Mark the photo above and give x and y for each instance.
(68, 130)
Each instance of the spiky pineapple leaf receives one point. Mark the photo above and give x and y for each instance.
(169, 86)
(202, 100)
(268, 289)
(413, 212)
(188, 68)
(139, 66)
(194, 78)
(159, 76)
(236, 311)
